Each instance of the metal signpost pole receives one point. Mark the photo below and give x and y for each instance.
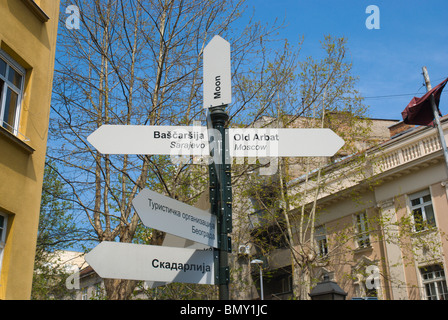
(436, 117)
(221, 200)
(217, 96)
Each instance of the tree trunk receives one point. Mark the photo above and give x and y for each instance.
(119, 289)
(305, 283)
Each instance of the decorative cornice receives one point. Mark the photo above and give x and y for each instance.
(386, 204)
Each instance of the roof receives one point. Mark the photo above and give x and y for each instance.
(327, 286)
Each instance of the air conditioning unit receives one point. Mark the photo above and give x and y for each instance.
(244, 249)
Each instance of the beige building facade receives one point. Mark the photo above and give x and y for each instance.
(381, 221)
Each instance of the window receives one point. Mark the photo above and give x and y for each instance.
(422, 210)
(98, 291)
(279, 283)
(362, 230)
(11, 87)
(84, 295)
(286, 283)
(3, 225)
(321, 241)
(433, 278)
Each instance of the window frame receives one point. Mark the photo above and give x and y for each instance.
(4, 230)
(424, 224)
(286, 283)
(11, 63)
(437, 283)
(320, 237)
(85, 293)
(362, 230)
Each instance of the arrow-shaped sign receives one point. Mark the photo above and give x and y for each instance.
(117, 260)
(174, 241)
(252, 142)
(217, 73)
(284, 142)
(156, 140)
(175, 217)
(171, 240)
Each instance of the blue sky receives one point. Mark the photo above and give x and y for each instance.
(389, 60)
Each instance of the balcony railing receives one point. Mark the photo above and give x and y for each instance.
(356, 169)
(410, 152)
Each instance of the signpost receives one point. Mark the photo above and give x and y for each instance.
(117, 260)
(242, 142)
(171, 240)
(162, 264)
(283, 142)
(155, 140)
(177, 242)
(217, 73)
(217, 95)
(175, 217)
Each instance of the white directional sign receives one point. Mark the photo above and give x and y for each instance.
(217, 73)
(156, 140)
(171, 240)
(252, 142)
(174, 241)
(169, 215)
(117, 260)
(275, 142)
